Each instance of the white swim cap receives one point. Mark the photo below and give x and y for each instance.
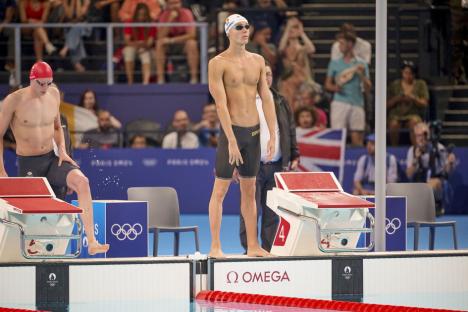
(232, 20)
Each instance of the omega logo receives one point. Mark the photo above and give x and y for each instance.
(233, 277)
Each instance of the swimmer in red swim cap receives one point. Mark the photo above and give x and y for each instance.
(41, 77)
(33, 113)
(41, 70)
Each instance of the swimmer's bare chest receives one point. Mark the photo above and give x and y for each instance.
(33, 125)
(241, 80)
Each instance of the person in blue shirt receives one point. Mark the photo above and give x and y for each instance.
(364, 176)
(346, 78)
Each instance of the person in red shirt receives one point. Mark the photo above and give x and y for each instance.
(36, 12)
(128, 8)
(171, 37)
(139, 40)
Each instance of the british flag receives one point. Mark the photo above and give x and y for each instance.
(322, 150)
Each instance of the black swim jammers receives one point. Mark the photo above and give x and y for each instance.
(45, 165)
(248, 141)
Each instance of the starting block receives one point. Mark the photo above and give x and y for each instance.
(317, 216)
(34, 224)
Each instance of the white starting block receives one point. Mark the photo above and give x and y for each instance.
(316, 215)
(34, 224)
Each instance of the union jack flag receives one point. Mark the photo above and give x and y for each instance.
(322, 150)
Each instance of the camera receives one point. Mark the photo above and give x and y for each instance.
(435, 128)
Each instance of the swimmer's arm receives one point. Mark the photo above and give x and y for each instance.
(216, 87)
(267, 101)
(6, 115)
(59, 137)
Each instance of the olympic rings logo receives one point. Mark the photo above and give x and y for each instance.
(126, 231)
(392, 226)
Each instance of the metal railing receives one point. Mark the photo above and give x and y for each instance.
(203, 42)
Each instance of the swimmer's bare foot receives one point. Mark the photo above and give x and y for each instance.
(258, 252)
(216, 253)
(95, 248)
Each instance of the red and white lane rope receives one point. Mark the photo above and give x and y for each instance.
(222, 296)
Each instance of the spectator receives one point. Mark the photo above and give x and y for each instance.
(208, 128)
(37, 12)
(261, 43)
(362, 48)
(129, 7)
(138, 141)
(139, 40)
(181, 137)
(428, 161)
(88, 100)
(285, 158)
(75, 12)
(171, 39)
(266, 14)
(7, 14)
(364, 176)
(57, 14)
(345, 78)
(407, 101)
(100, 10)
(310, 95)
(305, 118)
(295, 49)
(105, 136)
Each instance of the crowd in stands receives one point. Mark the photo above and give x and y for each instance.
(339, 101)
(277, 34)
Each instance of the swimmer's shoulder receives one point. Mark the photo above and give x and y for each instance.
(257, 57)
(220, 58)
(219, 62)
(54, 91)
(16, 97)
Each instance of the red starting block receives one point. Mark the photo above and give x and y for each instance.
(37, 222)
(316, 215)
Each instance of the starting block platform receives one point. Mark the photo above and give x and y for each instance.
(34, 224)
(317, 216)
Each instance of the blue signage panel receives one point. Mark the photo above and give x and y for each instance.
(395, 223)
(127, 229)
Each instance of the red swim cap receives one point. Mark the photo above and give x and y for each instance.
(41, 70)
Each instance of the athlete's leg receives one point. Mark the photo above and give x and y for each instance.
(77, 181)
(215, 210)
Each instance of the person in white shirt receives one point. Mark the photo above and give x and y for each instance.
(181, 137)
(362, 48)
(285, 158)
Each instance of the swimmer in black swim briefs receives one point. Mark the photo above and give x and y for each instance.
(248, 140)
(45, 166)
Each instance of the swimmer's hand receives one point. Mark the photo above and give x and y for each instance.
(270, 149)
(63, 156)
(235, 157)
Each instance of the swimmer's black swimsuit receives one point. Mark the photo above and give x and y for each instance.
(248, 141)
